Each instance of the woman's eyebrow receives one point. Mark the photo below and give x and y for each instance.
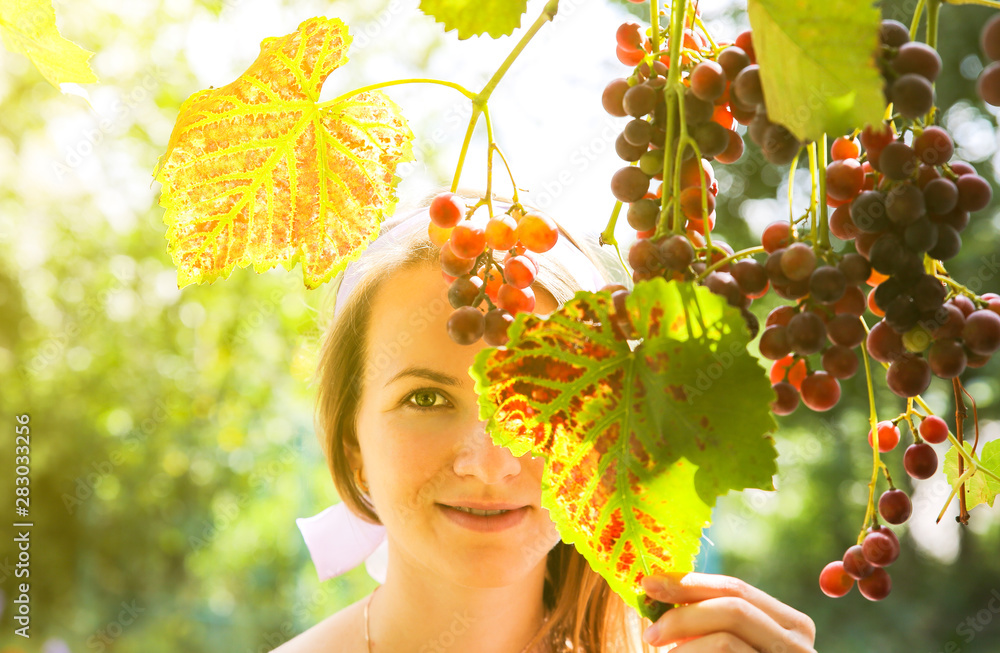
(427, 373)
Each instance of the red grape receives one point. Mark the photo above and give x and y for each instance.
(466, 325)
(895, 506)
(468, 240)
(834, 581)
(855, 564)
(933, 429)
(920, 460)
(888, 436)
(446, 210)
(876, 586)
(820, 391)
(537, 232)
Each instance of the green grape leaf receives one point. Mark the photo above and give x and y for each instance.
(639, 442)
(474, 17)
(979, 488)
(817, 64)
(29, 27)
(259, 172)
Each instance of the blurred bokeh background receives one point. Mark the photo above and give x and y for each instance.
(173, 443)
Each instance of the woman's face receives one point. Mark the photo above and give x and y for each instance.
(423, 445)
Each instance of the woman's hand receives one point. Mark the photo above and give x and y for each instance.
(722, 613)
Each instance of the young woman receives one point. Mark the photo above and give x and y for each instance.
(398, 419)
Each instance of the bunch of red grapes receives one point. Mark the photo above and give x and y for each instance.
(710, 113)
(470, 264)
(866, 562)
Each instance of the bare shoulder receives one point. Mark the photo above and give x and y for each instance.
(339, 632)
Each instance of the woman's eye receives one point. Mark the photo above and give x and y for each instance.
(425, 400)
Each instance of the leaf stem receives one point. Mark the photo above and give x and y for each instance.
(673, 95)
(824, 220)
(607, 236)
(915, 22)
(397, 82)
(729, 259)
(873, 421)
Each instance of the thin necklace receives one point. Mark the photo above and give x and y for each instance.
(368, 641)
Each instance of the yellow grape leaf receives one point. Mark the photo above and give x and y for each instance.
(257, 172)
(28, 27)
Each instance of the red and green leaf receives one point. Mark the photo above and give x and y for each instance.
(638, 442)
(257, 172)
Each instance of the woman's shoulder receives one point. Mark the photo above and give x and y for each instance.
(341, 631)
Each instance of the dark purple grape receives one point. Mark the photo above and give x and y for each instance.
(841, 362)
(934, 146)
(626, 151)
(880, 546)
(949, 243)
(629, 184)
(676, 253)
(639, 100)
(883, 343)
(846, 330)
(644, 255)
(904, 204)
(928, 293)
(895, 506)
(898, 161)
(947, 358)
(918, 58)
(723, 284)
(940, 195)
(774, 343)
(893, 33)
(806, 333)
(921, 235)
(642, 215)
(974, 193)
(982, 332)
(779, 145)
(908, 375)
(912, 95)
(855, 267)
(696, 110)
(988, 85)
(920, 460)
(751, 276)
(855, 564)
(868, 212)
(887, 254)
(877, 586)
(638, 132)
(466, 325)
(747, 85)
(463, 291)
(957, 219)
(787, 399)
(733, 59)
(711, 137)
(496, 323)
(827, 284)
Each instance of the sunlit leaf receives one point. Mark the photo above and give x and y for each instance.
(817, 64)
(474, 17)
(980, 488)
(29, 28)
(639, 443)
(257, 172)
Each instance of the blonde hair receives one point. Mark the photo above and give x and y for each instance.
(585, 615)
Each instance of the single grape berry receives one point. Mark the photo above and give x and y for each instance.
(708, 80)
(895, 506)
(855, 564)
(446, 210)
(463, 291)
(888, 436)
(501, 232)
(989, 38)
(880, 547)
(629, 184)
(613, 95)
(786, 400)
(909, 375)
(519, 271)
(876, 586)
(820, 391)
(834, 581)
(920, 460)
(933, 429)
(468, 240)
(496, 323)
(466, 325)
(537, 232)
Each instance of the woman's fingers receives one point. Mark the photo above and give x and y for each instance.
(693, 587)
(715, 643)
(727, 614)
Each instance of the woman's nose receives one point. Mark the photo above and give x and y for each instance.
(479, 457)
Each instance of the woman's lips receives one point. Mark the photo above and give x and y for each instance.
(485, 523)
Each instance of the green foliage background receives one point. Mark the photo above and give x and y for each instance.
(172, 435)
